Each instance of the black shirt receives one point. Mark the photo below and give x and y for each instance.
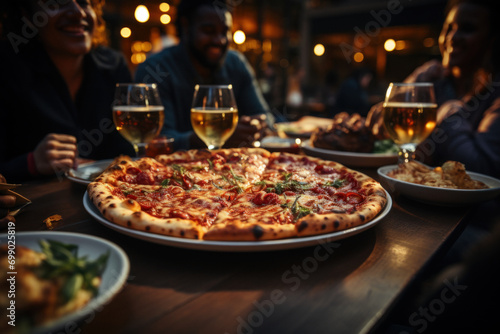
(35, 101)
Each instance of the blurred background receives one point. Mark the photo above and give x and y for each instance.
(301, 50)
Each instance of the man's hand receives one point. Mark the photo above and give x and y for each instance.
(375, 121)
(56, 152)
(248, 130)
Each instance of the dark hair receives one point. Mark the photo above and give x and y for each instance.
(12, 13)
(187, 9)
(492, 5)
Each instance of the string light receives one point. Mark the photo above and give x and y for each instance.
(390, 45)
(141, 13)
(319, 50)
(164, 7)
(125, 32)
(165, 19)
(239, 37)
(359, 57)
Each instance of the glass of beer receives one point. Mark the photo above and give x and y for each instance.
(409, 115)
(214, 114)
(138, 114)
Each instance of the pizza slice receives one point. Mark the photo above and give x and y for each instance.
(220, 169)
(300, 196)
(166, 210)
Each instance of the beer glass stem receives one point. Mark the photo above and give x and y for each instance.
(140, 150)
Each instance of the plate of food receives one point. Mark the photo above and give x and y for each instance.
(446, 185)
(352, 159)
(303, 128)
(350, 142)
(278, 144)
(241, 199)
(69, 276)
(87, 172)
(236, 246)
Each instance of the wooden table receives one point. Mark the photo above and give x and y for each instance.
(347, 286)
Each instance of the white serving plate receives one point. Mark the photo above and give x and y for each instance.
(113, 279)
(440, 196)
(235, 246)
(351, 159)
(86, 173)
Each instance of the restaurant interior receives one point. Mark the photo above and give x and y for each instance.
(368, 241)
(321, 41)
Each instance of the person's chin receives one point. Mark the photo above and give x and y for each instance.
(455, 62)
(78, 47)
(213, 62)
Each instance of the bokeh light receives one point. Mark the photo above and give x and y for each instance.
(141, 14)
(239, 37)
(319, 50)
(359, 57)
(125, 32)
(390, 45)
(164, 7)
(165, 19)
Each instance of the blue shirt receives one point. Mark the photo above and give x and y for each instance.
(176, 77)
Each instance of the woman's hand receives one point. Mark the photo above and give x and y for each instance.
(55, 153)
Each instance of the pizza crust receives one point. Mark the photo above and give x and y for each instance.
(127, 213)
(237, 217)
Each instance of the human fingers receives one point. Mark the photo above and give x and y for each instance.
(7, 201)
(51, 155)
(62, 138)
(62, 164)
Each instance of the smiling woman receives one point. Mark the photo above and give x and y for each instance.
(59, 81)
(27, 18)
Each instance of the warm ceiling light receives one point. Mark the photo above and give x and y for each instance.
(164, 7)
(165, 19)
(138, 58)
(125, 32)
(239, 37)
(359, 57)
(141, 13)
(319, 50)
(136, 46)
(390, 45)
(146, 46)
(400, 45)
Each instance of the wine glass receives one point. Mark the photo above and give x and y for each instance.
(138, 114)
(409, 115)
(214, 114)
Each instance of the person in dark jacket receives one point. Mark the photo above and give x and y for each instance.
(57, 87)
(203, 57)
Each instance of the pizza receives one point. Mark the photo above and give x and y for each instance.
(235, 194)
